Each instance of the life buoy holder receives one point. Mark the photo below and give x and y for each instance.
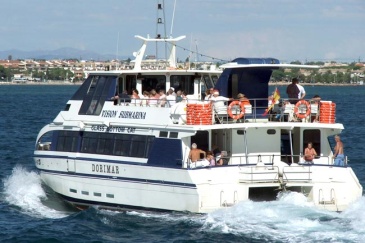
(237, 116)
(296, 109)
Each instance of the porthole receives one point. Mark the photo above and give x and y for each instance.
(271, 131)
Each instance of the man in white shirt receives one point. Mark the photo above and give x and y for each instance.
(218, 101)
(301, 93)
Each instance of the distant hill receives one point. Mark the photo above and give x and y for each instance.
(61, 53)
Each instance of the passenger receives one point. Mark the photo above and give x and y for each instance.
(135, 99)
(302, 93)
(309, 153)
(316, 98)
(172, 89)
(162, 98)
(178, 96)
(171, 98)
(293, 91)
(222, 158)
(243, 99)
(218, 101)
(209, 94)
(216, 150)
(315, 101)
(210, 158)
(338, 156)
(153, 98)
(123, 97)
(145, 98)
(194, 154)
(183, 96)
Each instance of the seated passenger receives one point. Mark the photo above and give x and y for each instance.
(218, 101)
(145, 98)
(135, 99)
(243, 99)
(171, 98)
(309, 153)
(162, 98)
(222, 159)
(315, 108)
(123, 97)
(210, 158)
(153, 98)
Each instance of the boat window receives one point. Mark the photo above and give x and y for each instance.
(105, 144)
(166, 152)
(67, 107)
(163, 134)
(67, 141)
(130, 83)
(214, 79)
(120, 86)
(157, 82)
(241, 132)
(208, 82)
(89, 142)
(271, 131)
(45, 141)
(314, 136)
(117, 144)
(100, 89)
(138, 146)
(183, 83)
(174, 134)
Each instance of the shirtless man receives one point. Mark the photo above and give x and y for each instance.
(194, 154)
(339, 156)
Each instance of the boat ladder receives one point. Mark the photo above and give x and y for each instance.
(332, 198)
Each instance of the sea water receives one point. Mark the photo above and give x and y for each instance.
(31, 212)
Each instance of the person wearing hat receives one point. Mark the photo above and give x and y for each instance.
(243, 99)
(194, 154)
(172, 91)
(218, 101)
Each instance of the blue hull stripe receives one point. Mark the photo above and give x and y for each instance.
(121, 179)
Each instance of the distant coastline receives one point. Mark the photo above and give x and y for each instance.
(42, 83)
(79, 83)
(311, 84)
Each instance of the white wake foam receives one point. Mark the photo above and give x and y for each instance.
(290, 219)
(23, 189)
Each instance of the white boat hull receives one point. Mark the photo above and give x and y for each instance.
(196, 190)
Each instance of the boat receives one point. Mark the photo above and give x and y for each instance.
(19, 80)
(125, 154)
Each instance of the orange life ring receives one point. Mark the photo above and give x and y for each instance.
(237, 116)
(296, 109)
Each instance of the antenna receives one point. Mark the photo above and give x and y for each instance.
(116, 55)
(196, 51)
(172, 21)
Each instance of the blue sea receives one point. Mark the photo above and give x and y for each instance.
(29, 212)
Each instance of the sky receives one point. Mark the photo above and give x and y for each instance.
(303, 30)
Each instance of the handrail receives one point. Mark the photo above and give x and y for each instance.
(282, 111)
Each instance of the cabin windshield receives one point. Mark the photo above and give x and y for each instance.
(183, 82)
